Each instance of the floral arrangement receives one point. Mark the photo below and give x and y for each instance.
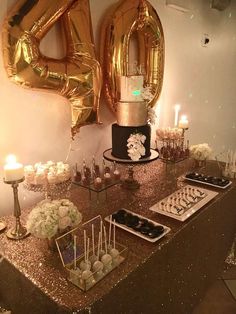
(200, 151)
(135, 146)
(50, 217)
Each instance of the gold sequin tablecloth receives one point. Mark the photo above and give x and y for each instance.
(167, 277)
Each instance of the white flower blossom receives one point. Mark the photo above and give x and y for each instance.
(64, 223)
(48, 217)
(135, 146)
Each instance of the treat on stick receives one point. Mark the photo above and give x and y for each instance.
(98, 265)
(85, 264)
(93, 257)
(114, 252)
(106, 258)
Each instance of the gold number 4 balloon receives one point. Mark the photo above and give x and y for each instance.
(126, 19)
(77, 76)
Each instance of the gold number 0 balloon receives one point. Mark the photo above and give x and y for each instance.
(132, 17)
(77, 76)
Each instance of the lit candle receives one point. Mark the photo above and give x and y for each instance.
(183, 122)
(177, 109)
(13, 170)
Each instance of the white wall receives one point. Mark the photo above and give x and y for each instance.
(36, 126)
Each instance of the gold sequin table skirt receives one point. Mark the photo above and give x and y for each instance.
(168, 277)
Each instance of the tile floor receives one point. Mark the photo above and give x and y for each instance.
(221, 296)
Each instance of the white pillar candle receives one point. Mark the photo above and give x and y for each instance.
(177, 109)
(13, 170)
(183, 122)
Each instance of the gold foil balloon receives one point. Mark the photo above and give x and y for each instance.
(77, 76)
(126, 20)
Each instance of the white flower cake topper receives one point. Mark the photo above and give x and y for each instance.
(49, 217)
(135, 146)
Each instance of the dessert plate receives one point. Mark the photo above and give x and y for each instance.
(156, 230)
(167, 206)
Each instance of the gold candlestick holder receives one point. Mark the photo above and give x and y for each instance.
(18, 232)
(2, 225)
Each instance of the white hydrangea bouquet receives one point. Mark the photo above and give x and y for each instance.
(49, 218)
(135, 146)
(200, 151)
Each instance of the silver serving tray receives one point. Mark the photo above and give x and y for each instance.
(209, 184)
(138, 234)
(188, 212)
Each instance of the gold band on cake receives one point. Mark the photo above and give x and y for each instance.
(131, 113)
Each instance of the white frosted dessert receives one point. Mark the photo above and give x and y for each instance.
(49, 172)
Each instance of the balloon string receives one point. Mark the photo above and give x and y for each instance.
(69, 151)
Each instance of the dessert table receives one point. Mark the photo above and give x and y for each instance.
(173, 273)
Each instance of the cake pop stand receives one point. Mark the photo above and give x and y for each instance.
(130, 183)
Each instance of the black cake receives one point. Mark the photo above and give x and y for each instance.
(120, 135)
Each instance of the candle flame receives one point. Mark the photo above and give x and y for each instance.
(11, 159)
(183, 118)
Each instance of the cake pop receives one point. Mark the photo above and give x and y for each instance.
(109, 234)
(116, 172)
(106, 258)
(96, 168)
(106, 169)
(75, 272)
(86, 171)
(85, 264)
(87, 275)
(114, 252)
(93, 258)
(107, 178)
(98, 183)
(98, 265)
(78, 175)
(102, 252)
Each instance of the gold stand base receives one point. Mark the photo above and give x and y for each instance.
(2, 226)
(19, 234)
(130, 183)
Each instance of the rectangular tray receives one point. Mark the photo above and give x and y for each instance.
(189, 212)
(209, 184)
(138, 234)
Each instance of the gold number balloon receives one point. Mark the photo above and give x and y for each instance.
(127, 19)
(77, 76)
